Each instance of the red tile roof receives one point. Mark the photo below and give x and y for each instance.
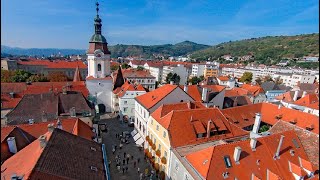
(127, 86)
(195, 91)
(43, 87)
(223, 78)
(70, 125)
(253, 89)
(210, 162)
(309, 140)
(179, 124)
(53, 161)
(310, 100)
(150, 99)
(245, 115)
(93, 78)
(55, 64)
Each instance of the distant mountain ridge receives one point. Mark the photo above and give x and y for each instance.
(178, 49)
(266, 50)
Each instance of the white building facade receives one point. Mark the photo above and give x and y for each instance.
(179, 69)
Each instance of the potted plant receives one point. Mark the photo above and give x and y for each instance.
(162, 175)
(154, 147)
(164, 160)
(158, 153)
(156, 167)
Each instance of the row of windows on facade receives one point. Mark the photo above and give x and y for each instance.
(141, 80)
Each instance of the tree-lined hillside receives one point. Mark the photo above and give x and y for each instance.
(265, 48)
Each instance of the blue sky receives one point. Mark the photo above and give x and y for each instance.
(69, 23)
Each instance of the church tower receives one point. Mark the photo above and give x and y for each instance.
(98, 53)
(99, 82)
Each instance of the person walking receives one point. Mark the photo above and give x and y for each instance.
(123, 161)
(118, 167)
(123, 170)
(138, 170)
(138, 160)
(127, 160)
(127, 168)
(124, 154)
(141, 176)
(109, 163)
(113, 150)
(131, 157)
(134, 164)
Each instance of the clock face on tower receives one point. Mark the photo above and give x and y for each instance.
(98, 53)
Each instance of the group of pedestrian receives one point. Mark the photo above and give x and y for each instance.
(123, 163)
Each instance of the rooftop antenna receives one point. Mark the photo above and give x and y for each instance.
(97, 9)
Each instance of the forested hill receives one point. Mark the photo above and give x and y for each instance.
(119, 50)
(265, 48)
(178, 49)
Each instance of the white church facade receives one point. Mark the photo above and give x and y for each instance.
(99, 82)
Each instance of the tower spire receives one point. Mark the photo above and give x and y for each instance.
(97, 21)
(97, 4)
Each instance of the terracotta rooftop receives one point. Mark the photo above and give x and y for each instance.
(55, 64)
(48, 105)
(309, 140)
(223, 78)
(150, 99)
(184, 124)
(310, 100)
(211, 162)
(127, 86)
(195, 91)
(288, 96)
(43, 87)
(253, 89)
(53, 160)
(25, 134)
(244, 116)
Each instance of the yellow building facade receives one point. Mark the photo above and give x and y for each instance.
(159, 137)
(210, 72)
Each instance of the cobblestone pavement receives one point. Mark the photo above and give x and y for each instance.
(109, 139)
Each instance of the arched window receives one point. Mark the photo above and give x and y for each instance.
(99, 67)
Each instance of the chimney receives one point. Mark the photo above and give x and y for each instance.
(189, 104)
(304, 93)
(171, 82)
(236, 154)
(190, 83)
(43, 141)
(204, 94)
(256, 123)
(44, 117)
(208, 128)
(253, 143)
(64, 90)
(279, 146)
(185, 88)
(59, 124)
(11, 94)
(279, 106)
(50, 127)
(12, 145)
(31, 121)
(295, 97)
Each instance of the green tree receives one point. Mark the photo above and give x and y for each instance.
(258, 81)
(267, 78)
(20, 76)
(264, 128)
(57, 77)
(169, 77)
(246, 77)
(6, 76)
(37, 78)
(140, 68)
(125, 66)
(195, 80)
(175, 78)
(114, 67)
